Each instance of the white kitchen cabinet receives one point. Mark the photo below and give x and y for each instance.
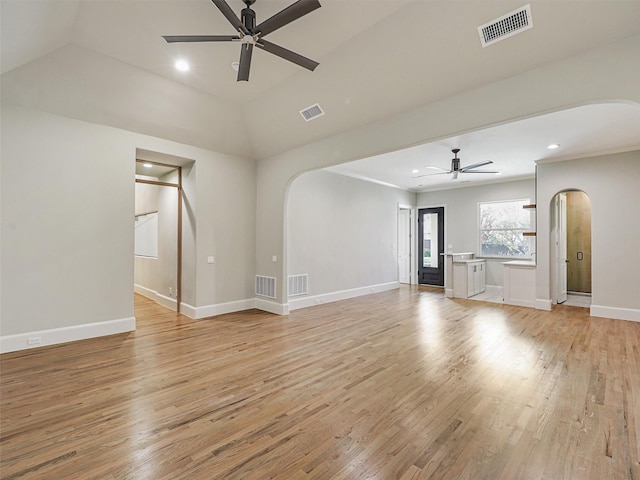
(469, 278)
(520, 283)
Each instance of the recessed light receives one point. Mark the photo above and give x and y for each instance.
(147, 165)
(415, 170)
(182, 65)
(553, 146)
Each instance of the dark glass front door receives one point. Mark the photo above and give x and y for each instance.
(431, 246)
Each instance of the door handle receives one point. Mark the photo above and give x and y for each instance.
(579, 256)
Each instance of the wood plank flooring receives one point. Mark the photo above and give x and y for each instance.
(403, 385)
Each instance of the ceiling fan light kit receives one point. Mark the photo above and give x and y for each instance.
(457, 169)
(250, 34)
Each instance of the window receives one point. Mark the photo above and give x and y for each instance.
(501, 227)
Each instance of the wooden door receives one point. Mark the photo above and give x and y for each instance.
(578, 242)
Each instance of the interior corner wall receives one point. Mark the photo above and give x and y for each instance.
(67, 236)
(461, 215)
(612, 183)
(342, 232)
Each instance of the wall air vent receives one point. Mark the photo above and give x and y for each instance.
(309, 113)
(506, 26)
(265, 286)
(298, 284)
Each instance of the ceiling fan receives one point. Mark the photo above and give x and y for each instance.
(251, 34)
(456, 168)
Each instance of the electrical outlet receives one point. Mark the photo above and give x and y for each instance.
(34, 340)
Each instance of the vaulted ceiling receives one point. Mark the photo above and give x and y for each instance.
(106, 62)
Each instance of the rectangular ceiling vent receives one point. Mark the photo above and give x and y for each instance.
(309, 113)
(506, 26)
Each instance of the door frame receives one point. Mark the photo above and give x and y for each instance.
(416, 241)
(558, 293)
(413, 276)
(178, 186)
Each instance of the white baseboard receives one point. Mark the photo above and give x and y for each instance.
(271, 306)
(543, 304)
(160, 299)
(206, 311)
(188, 310)
(617, 313)
(23, 341)
(303, 302)
(448, 292)
(221, 308)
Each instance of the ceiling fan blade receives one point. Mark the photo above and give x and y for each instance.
(440, 168)
(288, 15)
(446, 172)
(200, 38)
(455, 175)
(224, 7)
(245, 62)
(475, 165)
(480, 171)
(287, 54)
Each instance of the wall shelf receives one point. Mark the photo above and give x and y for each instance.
(533, 205)
(529, 234)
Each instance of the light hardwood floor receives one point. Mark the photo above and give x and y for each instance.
(403, 384)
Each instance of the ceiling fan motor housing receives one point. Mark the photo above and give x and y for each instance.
(455, 162)
(248, 18)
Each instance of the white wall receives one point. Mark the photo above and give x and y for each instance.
(612, 183)
(342, 232)
(67, 223)
(461, 215)
(67, 227)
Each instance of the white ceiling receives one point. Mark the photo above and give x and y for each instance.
(378, 58)
(513, 148)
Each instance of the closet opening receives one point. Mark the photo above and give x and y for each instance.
(158, 233)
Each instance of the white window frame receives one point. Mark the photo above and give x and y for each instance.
(524, 201)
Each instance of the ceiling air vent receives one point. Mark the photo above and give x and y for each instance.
(506, 26)
(309, 113)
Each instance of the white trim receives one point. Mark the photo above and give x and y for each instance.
(160, 299)
(631, 314)
(448, 292)
(543, 304)
(20, 341)
(340, 295)
(221, 308)
(198, 313)
(521, 303)
(271, 307)
(188, 310)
